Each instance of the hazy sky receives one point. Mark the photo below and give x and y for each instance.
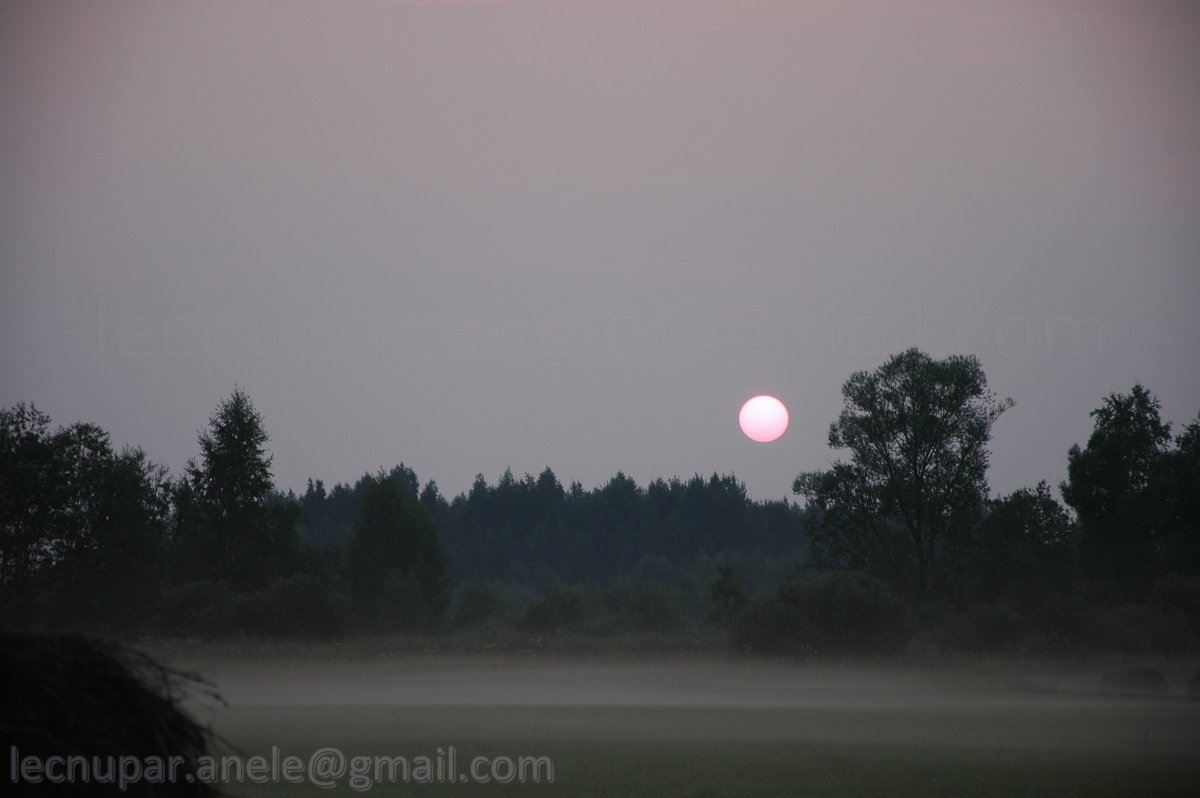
(470, 235)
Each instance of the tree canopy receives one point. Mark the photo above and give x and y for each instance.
(917, 430)
(1134, 494)
(82, 526)
(227, 527)
(396, 557)
(902, 534)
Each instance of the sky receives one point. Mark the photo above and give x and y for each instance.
(475, 235)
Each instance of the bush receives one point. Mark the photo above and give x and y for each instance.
(201, 609)
(1069, 626)
(1137, 629)
(558, 608)
(1062, 626)
(299, 606)
(984, 628)
(1174, 593)
(405, 604)
(478, 604)
(726, 597)
(646, 607)
(838, 614)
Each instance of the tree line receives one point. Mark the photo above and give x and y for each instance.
(899, 539)
(907, 520)
(95, 537)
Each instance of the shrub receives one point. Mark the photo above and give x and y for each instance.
(405, 604)
(984, 628)
(646, 607)
(556, 609)
(202, 608)
(726, 597)
(1136, 629)
(478, 604)
(1062, 626)
(299, 606)
(837, 614)
(1174, 593)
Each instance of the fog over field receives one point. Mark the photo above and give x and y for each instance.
(1039, 724)
(730, 684)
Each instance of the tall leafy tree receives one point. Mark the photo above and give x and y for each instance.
(234, 472)
(81, 527)
(1023, 550)
(917, 430)
(116, 569)
(229, 528)
(1110, 485)
(28, 498)
(1177, 490)
(396, 564)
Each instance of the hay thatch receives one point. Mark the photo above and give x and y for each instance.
(66, 695)
(1139, 681)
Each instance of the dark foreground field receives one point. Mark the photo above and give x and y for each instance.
(688, 725)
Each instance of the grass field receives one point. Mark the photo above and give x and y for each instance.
(687, 725)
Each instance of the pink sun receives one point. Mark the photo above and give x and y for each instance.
(763, 418)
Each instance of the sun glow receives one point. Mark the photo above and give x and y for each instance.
(763, 418)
